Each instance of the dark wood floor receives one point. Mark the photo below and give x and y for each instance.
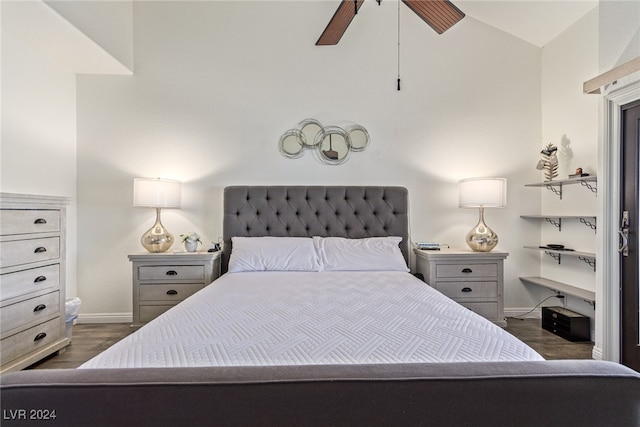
(90, 339)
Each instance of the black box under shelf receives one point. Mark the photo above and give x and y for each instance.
(567, 324)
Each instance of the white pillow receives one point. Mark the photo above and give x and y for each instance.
(370, 254)
(273, 254)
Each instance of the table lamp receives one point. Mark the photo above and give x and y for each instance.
(156, 193)
(482, 193)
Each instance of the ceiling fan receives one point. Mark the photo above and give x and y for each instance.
(439, 14)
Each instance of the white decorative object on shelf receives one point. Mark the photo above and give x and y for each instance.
(191, 241)
(549, 162)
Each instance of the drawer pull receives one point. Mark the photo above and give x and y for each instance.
(39, 279)
(40, 336)
(39, 307)
(466, 289)
(172, 292)
(40, 221)
(40, 250)
(172, 273)
(467, 270)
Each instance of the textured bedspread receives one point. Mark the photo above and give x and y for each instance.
(276, 318)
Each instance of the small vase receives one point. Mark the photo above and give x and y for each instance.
(190, 245)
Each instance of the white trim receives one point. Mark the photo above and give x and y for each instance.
(105, 318)
(616, 95)
(528, 314)
(596, 353)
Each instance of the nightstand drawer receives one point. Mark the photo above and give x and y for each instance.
(473, 279)
(467, 270)
(30, 340)
(31, 250)
(468, 289)
(487, 309)
(175, 272)
(19, 221)
(27, 281)
(30, 311)
(163, 280)
(172, 292)
(150, 312)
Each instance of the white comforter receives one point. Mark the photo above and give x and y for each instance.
(293, 318)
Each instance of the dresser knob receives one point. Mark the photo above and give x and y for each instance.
(172, 292)
(40, 221)
(172, 273)
(40, 250)
(465, 289)
(467, 270)
(39, 279)
(40, 336)
(39, 307)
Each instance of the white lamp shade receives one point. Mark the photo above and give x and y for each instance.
(482, 192)
(156, 193)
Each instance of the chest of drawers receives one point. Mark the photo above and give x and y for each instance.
(162, 280)
(32, 278)
(473, 279)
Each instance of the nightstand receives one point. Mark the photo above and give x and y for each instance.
(162, 280)
(473, 279)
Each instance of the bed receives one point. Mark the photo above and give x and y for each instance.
(318, 321)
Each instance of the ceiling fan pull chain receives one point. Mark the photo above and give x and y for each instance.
(398, 45)
(355, 7)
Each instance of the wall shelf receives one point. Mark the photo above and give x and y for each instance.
(587, 257)
(556, 220)
(556, 186)
(563, 288)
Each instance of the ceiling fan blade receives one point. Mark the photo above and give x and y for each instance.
(339, 22)
(439, 14)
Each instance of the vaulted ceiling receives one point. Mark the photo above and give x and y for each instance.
(535, 21)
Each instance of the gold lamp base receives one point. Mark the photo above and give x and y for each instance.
(157, 238)
(481, 238)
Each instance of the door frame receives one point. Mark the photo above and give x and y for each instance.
(608, 312)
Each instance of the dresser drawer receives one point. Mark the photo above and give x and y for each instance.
(175, 272)
(33, 310)
(467, 270)
(150, 312)
(27, 221)
(487, 309)
(27, 281)
(468, 289)
(30, 250)
(30, 340)
(169, 292)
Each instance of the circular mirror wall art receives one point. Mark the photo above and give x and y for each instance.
(332, 145)
(292, 144)
(310, 128)
(359, 137)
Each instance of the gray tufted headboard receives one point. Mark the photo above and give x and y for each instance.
(302, 211)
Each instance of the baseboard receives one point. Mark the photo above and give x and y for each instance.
(105, 318)
(597, 353)
(523, 313)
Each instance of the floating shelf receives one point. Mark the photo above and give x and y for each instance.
(588, 257)
(556, 220)
(563, 288)
(556, 186)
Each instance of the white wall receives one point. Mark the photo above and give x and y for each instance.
(570, 122)
(41, 54)
(217, 83)
(619, 40)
